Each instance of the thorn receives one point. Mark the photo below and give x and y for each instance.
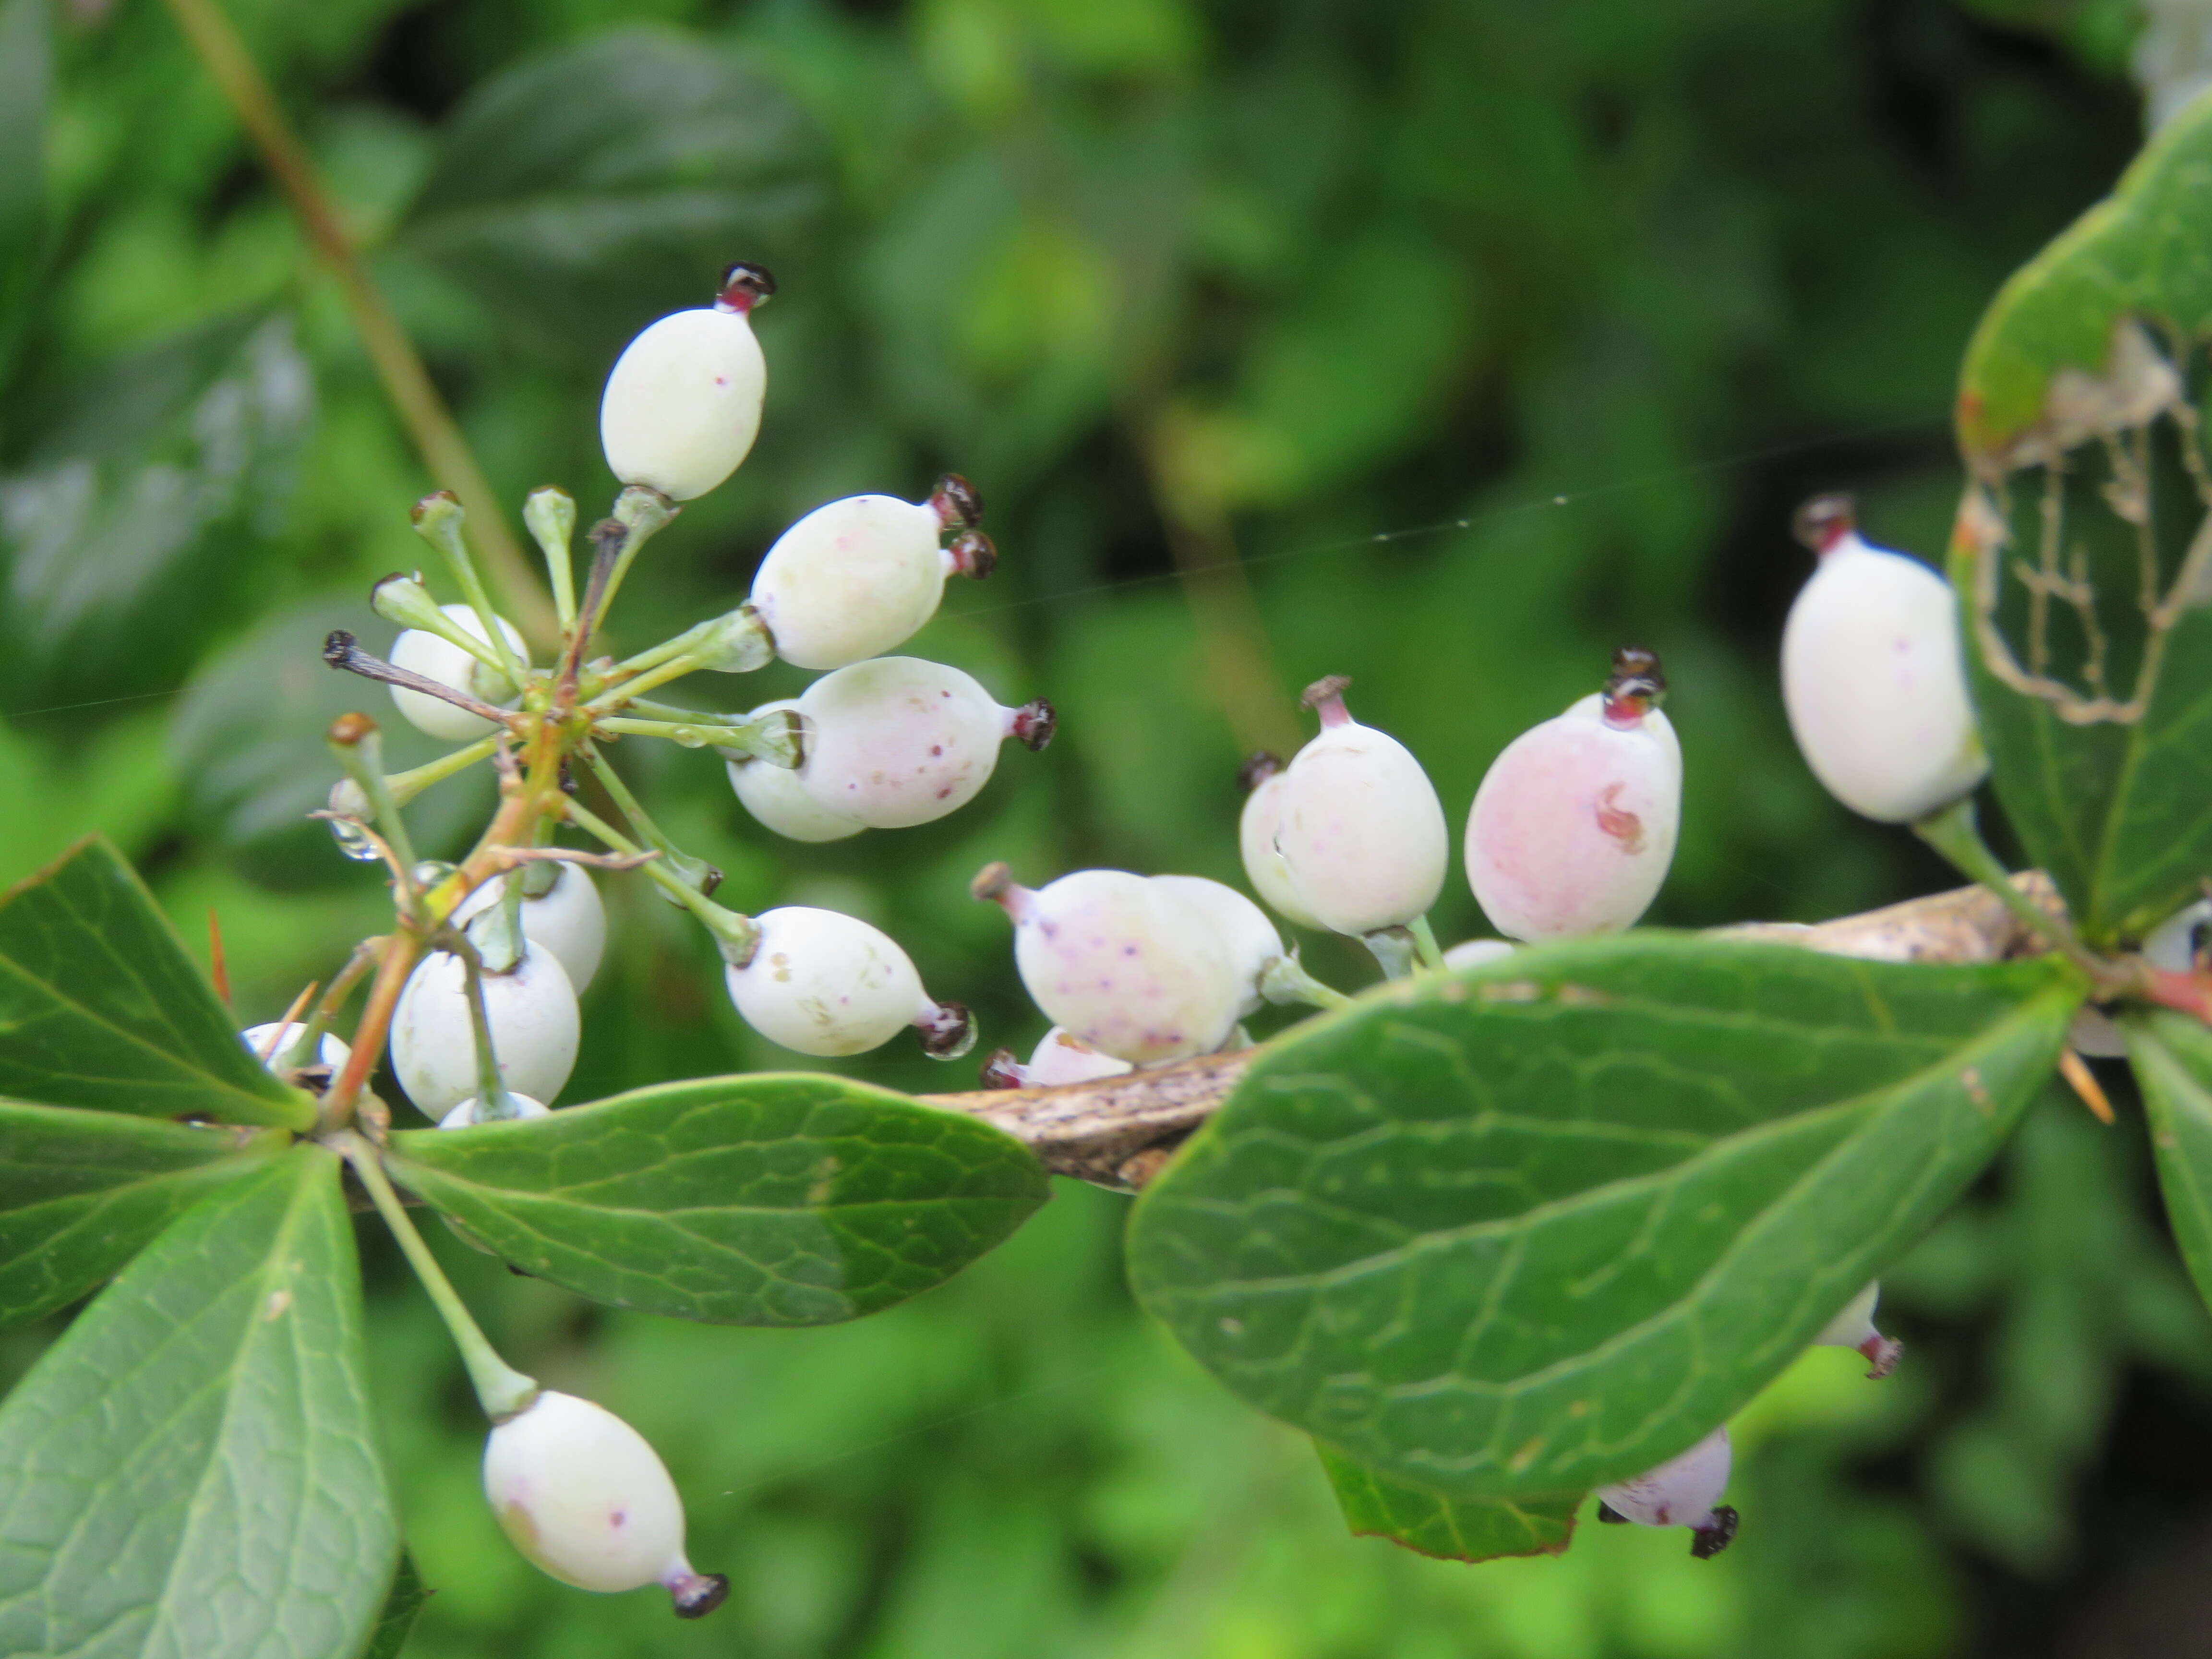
(2076, 1070)
(218, 964)
(292, 1013)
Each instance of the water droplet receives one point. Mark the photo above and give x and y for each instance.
(353, 840)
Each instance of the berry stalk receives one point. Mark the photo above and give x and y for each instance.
(502, 1390)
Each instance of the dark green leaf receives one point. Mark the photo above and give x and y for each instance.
(797, 1200)
(402, 1602)
(2101, 746)
(2172, 1058)
(138, 519)
(190, 1469)
(248, 740)
(582, 193)
(1452, 1529)
(27, 73)
(99, 1006)
(1540, 1226)
(82, 1192)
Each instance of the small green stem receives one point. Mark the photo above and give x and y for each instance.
(1955, 834)
(732, 930)
(502, 1390)
(671, 668)
(405, 785)
(492, 1100)
(1393, 948)
(439, 520)
(1285, 980)
(363, 761)
(1425, 947)
(550, 515)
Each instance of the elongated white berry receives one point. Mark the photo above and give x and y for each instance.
(262, 1040)
(1872, 674)
(775, 797)
(1359, 827)
(421, 652)
(684, 403)
(1262, 777)
(1241, 928)
(587, 1499)
(464, 1115)
(857, 577)
(1474, 952)
(534, 1027)
(1120, 961)
(1574, 826)
(567, 918)
(825, 983)
(1683, 1491)
(1853, 1328)
(896, 741)
(2176, 943)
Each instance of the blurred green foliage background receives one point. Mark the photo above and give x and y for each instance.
(1490, 333)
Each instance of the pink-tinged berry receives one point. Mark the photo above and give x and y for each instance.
(1121, 963)
(896, 741)
(1262, 776)
(1240, 928)
(1574, 827)
(1873, 675)
(1358, 827)
(1683, 1491)
(582, 1495)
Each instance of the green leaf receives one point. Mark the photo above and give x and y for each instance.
(100, 1007)
(27, 75)
(402, 1602)
(797, 1200)
(2099, 732)
(190, 1469)
(2172, 1054)
(1452, 1529)
(1540, 1226)
(602, 182)
(143, 516)
(82, 1192)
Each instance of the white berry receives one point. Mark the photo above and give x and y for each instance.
(683, 402)
(1060, 1056)
(1853, 1328)
(1360, 830)
(1240, 928)
(896, 741)
(1872, 676)
(2173, 944)
(264, 1040)
(859, 576)
(775, 797)
(824, 983)
(1122, 962)
(1574, 826)
(1255, 839)
(534, 1028)
(584, 1497)
(423, 653)
(464, 1115)
(568, 919)
(1683, 1491)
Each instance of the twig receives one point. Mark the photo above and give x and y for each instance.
(414, 396)
(1116, 1132)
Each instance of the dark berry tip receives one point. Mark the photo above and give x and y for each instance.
(948, 1030)
(1257, 770)
(993, 882)
(1001, 1069)
(1716, 1535)
(958, 504)
(1883, 1354)
(698, 1594)
(1034, 723)
(744, 286)
(1330, 688)
(1825, 520)
(1610, 1516)
(974, 555)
